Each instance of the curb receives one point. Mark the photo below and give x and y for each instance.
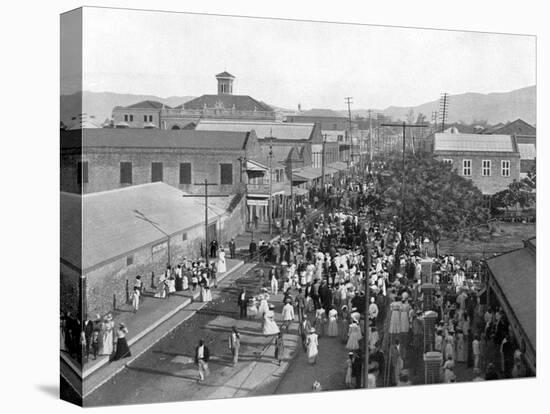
(105, 360)
(137, 355)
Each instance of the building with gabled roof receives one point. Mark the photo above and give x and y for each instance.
(110, 158)
(110, 237)
(512, 285)
(492, 162)
(222, 105)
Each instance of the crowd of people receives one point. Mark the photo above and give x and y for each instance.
(346, 274)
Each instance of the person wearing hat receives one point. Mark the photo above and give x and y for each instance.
(312, 344)
(288, 314)
(107, 333)
(122, 349)
(270, 326)
(232, 248)
(235, 344)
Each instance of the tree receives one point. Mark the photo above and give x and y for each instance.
(437, 201)
(520, 193)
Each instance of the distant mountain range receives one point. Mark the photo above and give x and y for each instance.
(101, 104)
(467, 107)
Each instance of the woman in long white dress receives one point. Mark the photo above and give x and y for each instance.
(395, 317)
(312, 344)
(107, 333)
(263, 307)
(206, 293)
(252, 308)
(354, 336)
(222, 268)
(270, 326)
(332, 327)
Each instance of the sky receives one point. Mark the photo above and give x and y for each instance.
(286, 63)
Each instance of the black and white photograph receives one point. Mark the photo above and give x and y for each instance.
(255, 206)
(271, 207)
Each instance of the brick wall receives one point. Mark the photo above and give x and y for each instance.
(487, 184)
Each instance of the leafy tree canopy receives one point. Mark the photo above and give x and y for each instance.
(438, 202)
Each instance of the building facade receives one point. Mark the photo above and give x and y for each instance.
(106, 159)
(222, 105)
(492, 162)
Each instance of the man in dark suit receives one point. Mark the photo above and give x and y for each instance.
(242, 301)
(202, 355)
(232, 248)
(252, 249)
(88, 330)
(213, 248)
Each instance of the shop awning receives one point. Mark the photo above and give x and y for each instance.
(338, 165)
(306, 174)
(252, 165)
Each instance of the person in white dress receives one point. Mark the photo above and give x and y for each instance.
(312, 343)
(332, 327)
(222, 267)
(354, 336)
(263, 306)
(206, 292)
(107, 332)
(270, 326)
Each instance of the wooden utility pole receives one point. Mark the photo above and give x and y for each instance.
(349, 102)
(370, 137)
(270, 204)
(404, 126)
(206, 184)
(323, 166)
(444, 109)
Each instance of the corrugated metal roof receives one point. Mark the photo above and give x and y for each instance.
(515, 273)
(117, 222)
(527, 151)
(264, 130)
(473, 142)
(153, 138)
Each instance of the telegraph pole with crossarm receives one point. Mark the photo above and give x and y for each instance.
(206, 184)
(404, 126)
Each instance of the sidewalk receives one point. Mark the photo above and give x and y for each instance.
(153, 312)
(168, 373)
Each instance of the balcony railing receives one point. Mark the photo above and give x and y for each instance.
(257, 188)
(216, 113)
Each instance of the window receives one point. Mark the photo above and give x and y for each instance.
(226, 174)
(145, 118)
(185, 173)
(184, 237)
(131, 118)
(129, 260)
(150, 118)
(340, 138)
(125, 118)
(505, 167)
(486, 168)
(125, 173)
(82, 172)
(467, 168)
(156, 171)
(447, 161)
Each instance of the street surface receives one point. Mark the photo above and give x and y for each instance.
(166, 372)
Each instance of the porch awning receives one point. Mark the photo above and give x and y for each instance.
(252, 165)
(306, 174)
(338, 165)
